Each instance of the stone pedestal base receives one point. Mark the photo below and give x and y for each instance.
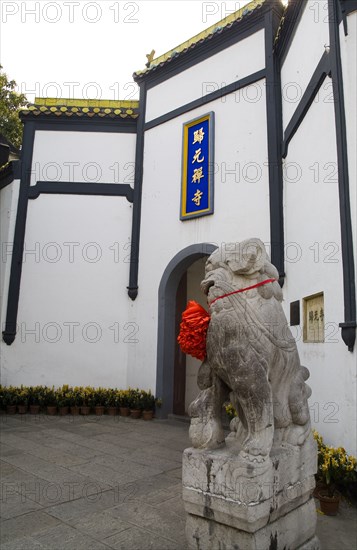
(235, 504)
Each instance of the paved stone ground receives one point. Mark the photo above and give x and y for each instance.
(104, 482)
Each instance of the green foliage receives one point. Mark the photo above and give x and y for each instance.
(78, 396)
(148, 401)
(135, 399)
(49, 397)
(111, 398)
(10, 395)
(64, 396)
(10, 104)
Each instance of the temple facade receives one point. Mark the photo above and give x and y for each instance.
(246, 130)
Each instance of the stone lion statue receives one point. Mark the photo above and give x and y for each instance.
(251, 357)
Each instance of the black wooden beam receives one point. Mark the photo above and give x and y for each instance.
(81, 188)
(349, 289)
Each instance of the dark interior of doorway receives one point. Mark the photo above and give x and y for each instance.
(180, 357)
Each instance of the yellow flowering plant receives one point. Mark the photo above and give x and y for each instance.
(336, 468)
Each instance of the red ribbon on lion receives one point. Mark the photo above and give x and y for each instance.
(195, 321)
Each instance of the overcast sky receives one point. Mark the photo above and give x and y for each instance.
(87, 49)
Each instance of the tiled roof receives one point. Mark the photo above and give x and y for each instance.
(226, 23)
(85, 108)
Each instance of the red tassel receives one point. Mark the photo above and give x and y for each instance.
(193, 330)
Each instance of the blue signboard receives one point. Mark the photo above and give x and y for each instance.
(197, 168)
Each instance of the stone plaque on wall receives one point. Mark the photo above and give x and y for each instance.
(314, 318)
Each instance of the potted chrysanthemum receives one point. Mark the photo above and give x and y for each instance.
(336, 469)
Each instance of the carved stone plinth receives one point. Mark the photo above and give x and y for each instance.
(237, 504)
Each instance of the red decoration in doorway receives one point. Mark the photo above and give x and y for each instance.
(193, 330)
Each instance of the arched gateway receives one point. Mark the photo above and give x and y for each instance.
(167, 326)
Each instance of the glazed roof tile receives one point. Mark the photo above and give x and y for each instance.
(85, 108)
(219, 27)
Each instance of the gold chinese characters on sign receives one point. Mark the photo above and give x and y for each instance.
(197, 184)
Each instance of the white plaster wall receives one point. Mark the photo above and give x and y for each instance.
(304, 54)
(233, 63)
(76, 268)
(195, 274)
(93, 157)
(8, 209)
(68, 304)
(314, 264)
(241, 207)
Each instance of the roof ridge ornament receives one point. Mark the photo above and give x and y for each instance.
(150, 57)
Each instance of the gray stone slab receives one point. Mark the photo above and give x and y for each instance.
(158, 521)
(94, 519)
(128, 472)
(71, 512)
(175, 505)
(64, 446)
(6, 469)
(21, 441)
(64, 537)
(176, 473)
(24, 543)
(101, 525)
(162, 451)
(136, 538)
(16, 476)
(338, 531)
(47, 470)
(48, 493)
(141, 458)
(144, 487)
(13, 504)
(29, 524)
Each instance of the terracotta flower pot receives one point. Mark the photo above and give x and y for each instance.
(75, 410)
(51, 410)
(99, 410)
(85, 409)
(320, 486)
(148, 415)
(63, 410)
(22, 409)
(329, 505)
(34, 409)
(11, 409)
(112, 411)
(135, 413)
(124, 411)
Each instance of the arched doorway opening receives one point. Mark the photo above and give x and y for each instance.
(177, 279)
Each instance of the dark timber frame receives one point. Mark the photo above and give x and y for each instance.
(274, 138)
(81, 188)
(33, 123)
(135, 230)
(349, 290)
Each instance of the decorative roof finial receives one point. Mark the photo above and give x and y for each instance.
(150, 57)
